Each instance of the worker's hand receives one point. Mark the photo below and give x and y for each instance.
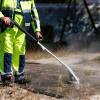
(6, 20)
(39, 36)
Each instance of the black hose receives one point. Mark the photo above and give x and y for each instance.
(23, 30)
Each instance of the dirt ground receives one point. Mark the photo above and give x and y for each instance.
(50, 79)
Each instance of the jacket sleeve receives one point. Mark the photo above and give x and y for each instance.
(35, 18)
(1, 15)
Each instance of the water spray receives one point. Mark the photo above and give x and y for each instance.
(74, 78)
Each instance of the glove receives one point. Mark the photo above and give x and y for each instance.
(5, 22)
(38, 36)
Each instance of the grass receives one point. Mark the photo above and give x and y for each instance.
(39, 54)
(24, 93)
(89, 72)
(97, 59)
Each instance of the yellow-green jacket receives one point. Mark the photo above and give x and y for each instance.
(27, 8)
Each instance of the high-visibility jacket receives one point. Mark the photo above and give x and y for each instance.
(27, 8)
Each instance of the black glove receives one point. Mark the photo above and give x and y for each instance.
(5, 22)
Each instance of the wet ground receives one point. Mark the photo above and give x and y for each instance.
(51, 78)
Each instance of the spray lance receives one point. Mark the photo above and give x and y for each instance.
(75, 78)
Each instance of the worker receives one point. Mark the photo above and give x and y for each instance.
(12, 40)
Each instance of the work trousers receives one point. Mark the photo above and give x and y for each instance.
(12, 48)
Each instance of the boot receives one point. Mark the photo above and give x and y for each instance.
(7, 79)
(20, 79)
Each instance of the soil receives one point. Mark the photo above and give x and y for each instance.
(49, 80)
